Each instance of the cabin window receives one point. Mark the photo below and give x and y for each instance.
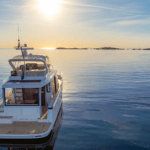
(43, 95)
(21, 96)
(48, 87)
(55, 86)
(48, 63)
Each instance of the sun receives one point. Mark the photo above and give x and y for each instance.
(49, 7)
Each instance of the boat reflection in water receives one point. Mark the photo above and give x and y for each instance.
(44, 144)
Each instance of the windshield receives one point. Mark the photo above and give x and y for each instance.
(29, 65)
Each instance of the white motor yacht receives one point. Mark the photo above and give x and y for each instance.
(31, 100)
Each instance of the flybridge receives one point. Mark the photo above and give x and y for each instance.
(33, 65)
(29, 65)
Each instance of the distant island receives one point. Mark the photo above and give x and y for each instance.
(146, 49)
(109, 48)
(102, 48)
(60, 48)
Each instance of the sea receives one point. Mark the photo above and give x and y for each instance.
(106, 97)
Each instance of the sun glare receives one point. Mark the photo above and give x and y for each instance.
(49, 48)
(49, 7)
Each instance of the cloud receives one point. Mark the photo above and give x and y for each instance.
(91, 6)
(132, 22)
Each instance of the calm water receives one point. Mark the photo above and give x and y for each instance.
(106, 98)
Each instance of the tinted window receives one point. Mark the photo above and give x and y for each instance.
(48, 87)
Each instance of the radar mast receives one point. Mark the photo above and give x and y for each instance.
(18, 38)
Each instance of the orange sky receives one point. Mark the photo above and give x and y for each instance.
(45, 24)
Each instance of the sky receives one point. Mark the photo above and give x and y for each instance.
(75, 23)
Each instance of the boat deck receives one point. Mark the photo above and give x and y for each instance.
(17, 128)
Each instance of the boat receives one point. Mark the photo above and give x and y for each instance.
(31, 100)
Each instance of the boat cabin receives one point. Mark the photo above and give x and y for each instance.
(32, 83)
(35, 94)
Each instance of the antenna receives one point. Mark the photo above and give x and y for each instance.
(18, 38)
(20, 35)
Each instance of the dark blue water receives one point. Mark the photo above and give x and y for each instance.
(106, 98)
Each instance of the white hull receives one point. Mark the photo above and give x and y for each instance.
(52, 113)
(40, 142)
